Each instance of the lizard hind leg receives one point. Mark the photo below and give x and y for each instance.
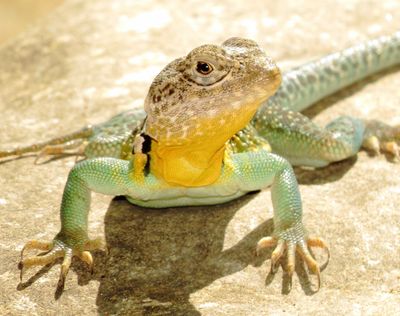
(380, 137)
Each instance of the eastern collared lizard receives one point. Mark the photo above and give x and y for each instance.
(218, 123)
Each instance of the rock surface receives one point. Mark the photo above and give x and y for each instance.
(90, 60)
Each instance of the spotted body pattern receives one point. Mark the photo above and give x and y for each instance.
(290, 133)
(203, 147)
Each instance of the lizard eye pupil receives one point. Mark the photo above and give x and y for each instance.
(203, 68)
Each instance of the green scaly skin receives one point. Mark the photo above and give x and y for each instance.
(251, 166)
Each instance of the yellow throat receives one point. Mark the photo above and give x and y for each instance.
(199, 161)
(198, 102)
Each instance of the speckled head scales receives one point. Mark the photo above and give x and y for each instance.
(192, 98)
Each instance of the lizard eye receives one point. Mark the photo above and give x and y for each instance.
(204, 68)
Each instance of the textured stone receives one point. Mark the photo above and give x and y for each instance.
(92, 59)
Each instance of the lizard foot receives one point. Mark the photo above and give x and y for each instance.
(380, 137)
(71, 144)
(291, 246)
(58, 249)
(74, 147)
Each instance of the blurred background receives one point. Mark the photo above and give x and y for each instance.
(17, 15)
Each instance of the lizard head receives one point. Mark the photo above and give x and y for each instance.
(197, 103)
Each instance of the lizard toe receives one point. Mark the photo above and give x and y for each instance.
(382, 138)
(74, 147)
(53, 252)
(392, 148)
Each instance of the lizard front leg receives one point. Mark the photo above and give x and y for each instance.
(105, 175)
(289, 234)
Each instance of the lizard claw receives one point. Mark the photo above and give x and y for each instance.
(302, 248)
(58, 249)
(65, 267)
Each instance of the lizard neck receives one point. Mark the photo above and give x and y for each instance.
(190, 166)
(196, 160)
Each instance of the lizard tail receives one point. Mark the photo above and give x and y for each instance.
(83, 133)
(303, 86)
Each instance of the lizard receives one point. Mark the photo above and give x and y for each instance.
(218, 123)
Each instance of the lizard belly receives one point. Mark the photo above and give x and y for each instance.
(168, 196)
(185, 200)
(231, 184)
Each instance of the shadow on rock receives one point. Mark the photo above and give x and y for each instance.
(333, 172)
(158, 257)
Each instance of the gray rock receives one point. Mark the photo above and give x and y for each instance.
(92, 59)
